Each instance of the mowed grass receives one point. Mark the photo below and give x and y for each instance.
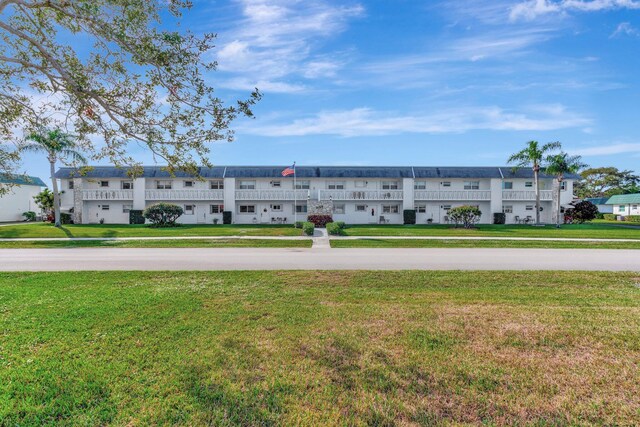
(427, 243)
(187, 243)
(126, 230)
(602, 231)
(320, 348)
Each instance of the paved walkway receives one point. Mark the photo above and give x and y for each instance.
(316, 259)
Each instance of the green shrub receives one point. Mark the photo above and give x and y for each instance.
(163, 214)
(468, 216)
(341, 224)
(409, 216)
(29, 216)
(632, 218)
(308, 228)
(609, 217)
(298, 224)
(65, 218)
(599, 215)
(334, 229)
(499, 218)
(136, 217)
(227, 217)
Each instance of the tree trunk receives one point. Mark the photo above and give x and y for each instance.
(536, 178)
(559, 203)
(56, 194)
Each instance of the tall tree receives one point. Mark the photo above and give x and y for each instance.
(559, 165)
(532, 156)
(116, 70)
(56, 145)
(606, 182)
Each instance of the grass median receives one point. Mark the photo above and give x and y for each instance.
(320, 348)
(177, 243)
(453, 243)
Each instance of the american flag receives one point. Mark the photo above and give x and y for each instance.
(289, 171)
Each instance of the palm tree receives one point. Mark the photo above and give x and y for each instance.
(56, 145)
(532, 156)
(560, 165)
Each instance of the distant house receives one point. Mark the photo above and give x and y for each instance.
(601, 204)
(625, 204)
(19, 199)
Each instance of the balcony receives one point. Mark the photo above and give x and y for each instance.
(546, 195)
(453, 195)
(272, 194)
(107, 194)
(184, 194)
(361, 195)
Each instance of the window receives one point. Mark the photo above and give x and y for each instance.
(446, 183)
(420, 208)
(361, 208)
(390, 209)
(216, 185)
(507, 209)
(303, 185)
(446, 207)
(335, 185)
(216, 209)
(301, 208)
(163, 185)
(126, 208)
(189, 209)
(420, 185)
(70, 184)
(104, 183)
(338, 209)
(247, 209)
(276, 208)
(389, 185)
(621, 208)
(507, 185)
(529, 207)
(188, 184)
(528, 184)
(126, 185)
(104, 207)
(360, 184)
(247, 185)
(563, 185)
(276, 184)
(472, 185)
(634, 207)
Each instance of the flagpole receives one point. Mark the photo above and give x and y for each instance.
(295, 196)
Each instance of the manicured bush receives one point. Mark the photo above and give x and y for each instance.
(468, 216)
(632, 218)
(610, 217)
(29, 216)
(136, 217)
(227, 217)
(334, 229)
(499, 218)
(409, 216)
(599, 215)
(583, 211)
(320, 221)
(163, 214)
(65, 218)
(308, 228)
(298, 224)
(341, 224)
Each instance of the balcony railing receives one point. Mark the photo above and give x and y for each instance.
(452, 195)
(272, 194)
(107, 194)
(360, 195)
(526, 195)
(184, 194)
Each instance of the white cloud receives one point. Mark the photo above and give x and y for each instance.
(531, 9)
(367, 122)
(603, 150)
(625, 28)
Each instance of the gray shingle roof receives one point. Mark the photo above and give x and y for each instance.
(303, 172)
(22, 180)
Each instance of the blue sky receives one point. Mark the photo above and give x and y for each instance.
(424, 82)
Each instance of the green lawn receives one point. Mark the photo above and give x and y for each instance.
(124, 230)
(425, 243)
(320, 348)
(191, 243)
(603, 231)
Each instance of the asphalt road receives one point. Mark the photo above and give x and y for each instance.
(72, 259)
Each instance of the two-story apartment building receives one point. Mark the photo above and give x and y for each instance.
(261, 195)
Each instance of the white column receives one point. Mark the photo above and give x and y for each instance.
(407, 194)
(230, 197)
(139, 198)
(496, 197)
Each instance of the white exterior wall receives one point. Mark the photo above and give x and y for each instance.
(19, 199)
(626, 209)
